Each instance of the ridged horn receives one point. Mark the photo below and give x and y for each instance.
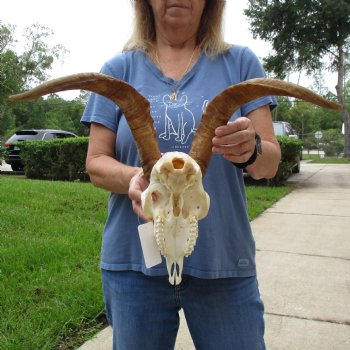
(133, 105)
(221, 108)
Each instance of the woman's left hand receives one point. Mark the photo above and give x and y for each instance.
(236, 140)
(137, 185)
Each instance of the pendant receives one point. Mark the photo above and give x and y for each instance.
(173, 96)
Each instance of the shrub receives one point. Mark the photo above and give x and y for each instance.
(291, 149)
(310, 143)
(61, 159)
(334, 148)
(332, 143)
(2, 153)
(64, 159)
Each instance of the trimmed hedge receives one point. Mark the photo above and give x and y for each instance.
(291, 149)
(2, 153)
(64, 159)
(61, 159)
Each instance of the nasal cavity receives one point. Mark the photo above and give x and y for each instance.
(178, 163)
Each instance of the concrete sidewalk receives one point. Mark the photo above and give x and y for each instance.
(5, 167)
(303, 259)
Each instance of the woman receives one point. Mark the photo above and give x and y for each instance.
(177, 59)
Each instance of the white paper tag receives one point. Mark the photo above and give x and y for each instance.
(149, 246)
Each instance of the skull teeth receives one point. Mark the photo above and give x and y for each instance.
(159, 234)
(192, 237)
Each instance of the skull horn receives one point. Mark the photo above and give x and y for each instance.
(221, 108)
(133, 105)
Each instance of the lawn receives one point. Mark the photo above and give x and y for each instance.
(49, 255)
(260, 198)
(330, 160)
(315, 158)
(50, 284)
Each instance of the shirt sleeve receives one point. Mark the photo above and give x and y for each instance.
(252, 68)
(100, 109)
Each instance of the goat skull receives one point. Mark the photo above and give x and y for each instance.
(175, 200)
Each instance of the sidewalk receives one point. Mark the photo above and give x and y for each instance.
(303, 259)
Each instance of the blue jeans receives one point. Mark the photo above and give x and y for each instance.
(220, 313)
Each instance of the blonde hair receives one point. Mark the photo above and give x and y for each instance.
(209, 37)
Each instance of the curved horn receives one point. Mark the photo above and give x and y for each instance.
(221, 108)
(133, 105)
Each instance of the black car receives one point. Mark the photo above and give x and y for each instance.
(12, 154)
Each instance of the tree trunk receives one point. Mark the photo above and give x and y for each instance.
(346, 119)
(340, 95)
(2, 112)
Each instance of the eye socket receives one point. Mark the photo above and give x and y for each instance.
(154, 196)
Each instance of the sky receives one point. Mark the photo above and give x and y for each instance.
(94, 31)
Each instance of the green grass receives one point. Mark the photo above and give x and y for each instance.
(310, 156)
(260, 198)
(316, 158)
(50, 283)
(331, 160)
(49, 263)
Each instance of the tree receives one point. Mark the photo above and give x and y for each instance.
(52, 112)
(38, 56)
(10, 76)
(303, 118)
(6, 36)
(306, 35)
(19, 70)
(282, 109)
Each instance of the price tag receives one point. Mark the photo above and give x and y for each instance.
(149, 246)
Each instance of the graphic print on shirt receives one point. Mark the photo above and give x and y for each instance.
(179, 121)
(204, 106)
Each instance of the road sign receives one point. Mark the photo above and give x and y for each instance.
(318, 134)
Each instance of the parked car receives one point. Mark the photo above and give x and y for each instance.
(285, 129)
(12, 153)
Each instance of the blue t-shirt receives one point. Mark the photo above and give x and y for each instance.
(225, 246)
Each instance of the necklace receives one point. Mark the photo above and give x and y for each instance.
(175, 90)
